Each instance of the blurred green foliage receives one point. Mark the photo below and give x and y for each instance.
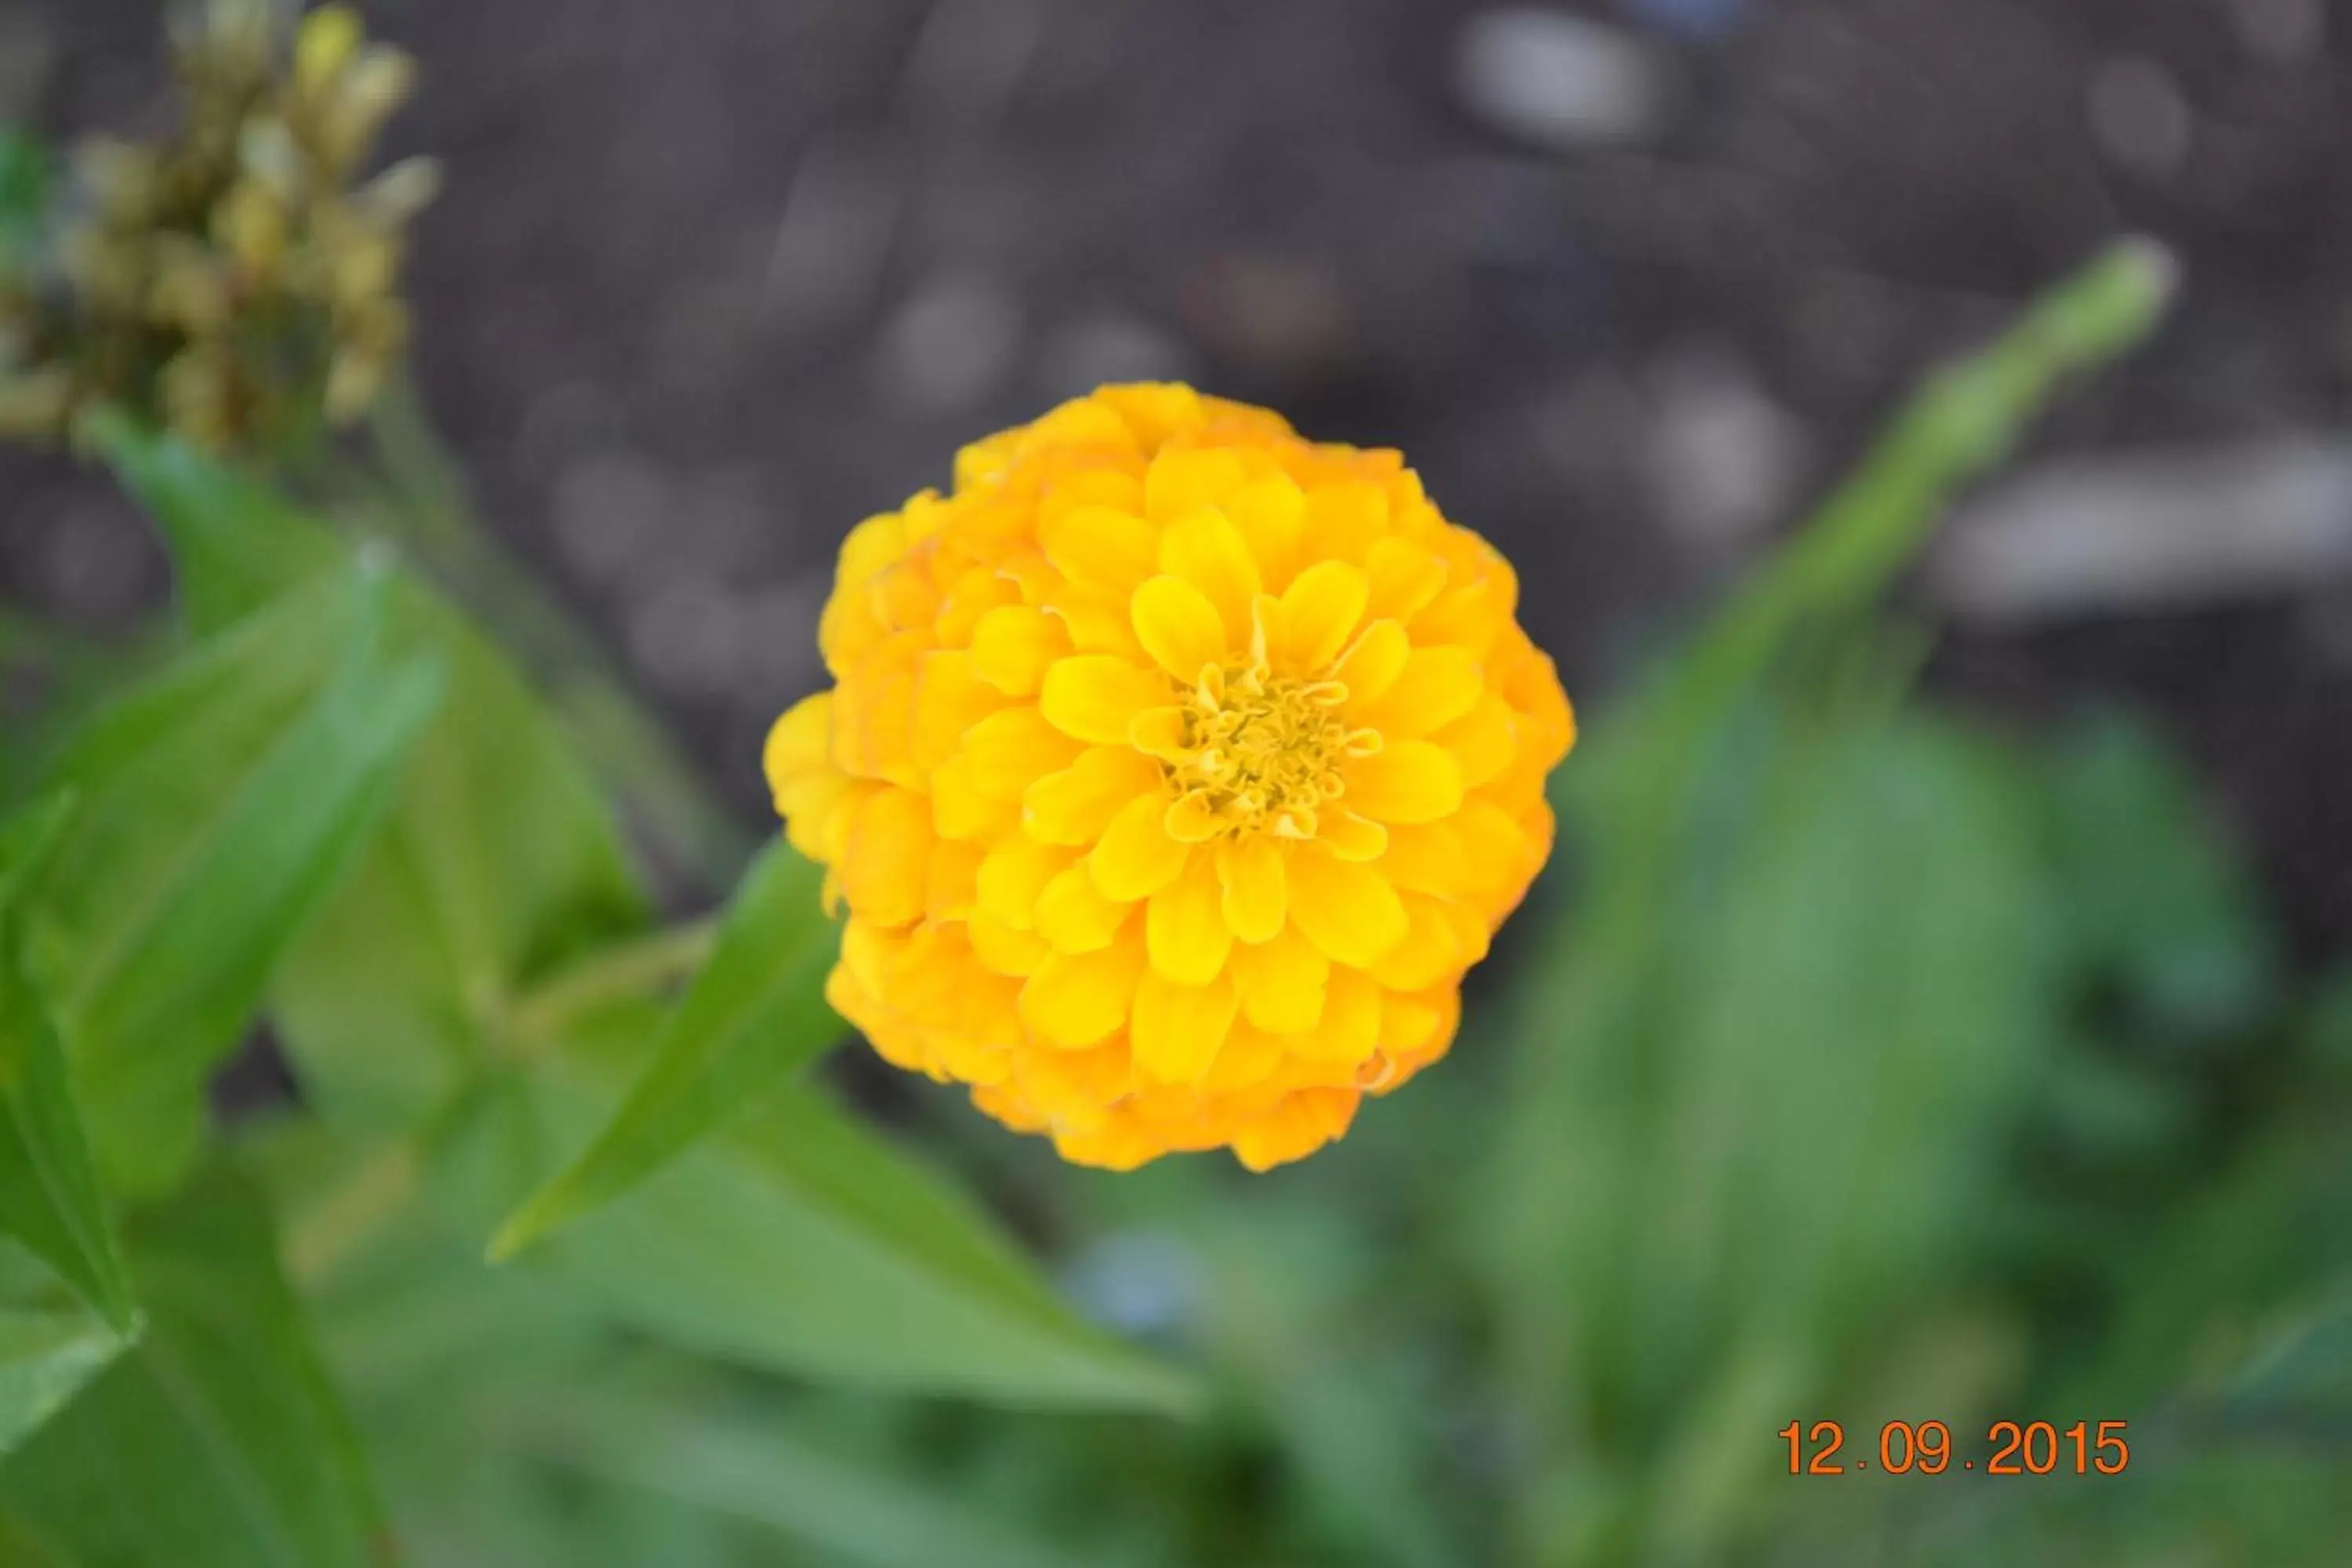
(1858, 1062)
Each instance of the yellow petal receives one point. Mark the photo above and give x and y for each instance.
(1484, 740)
(1099, 547)
(953, 891)
(1075, 805)
(1344, 522)
(1096, 619)
(1075, 999)
(1429, 954)
(1207, 551)
(1249, 1057)
(1322, 606)
(1348, 911)
(1073, 917)
(960, 811)
(885, 864)
(1182, 480)
(948, 701)
(1094, 696)
(1250, 871)
(1184, 929)
(1371, 665)
(1405, 578)
(1428, 857)
(1159, 733)
(801, 743)
(1010, 751)
(1179, 626)
(1269, 511)
(1407, 781)
(1001, 950)
(1350, 837)
(1281, 981)
(1136, 858)
(1178, 1028)
(1350, 1029)
(1438, 686)
(1190, 820)
(1303, 1123)
(1012, 874)
(1013, 645)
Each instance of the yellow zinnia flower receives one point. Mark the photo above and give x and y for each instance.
(1176, 770)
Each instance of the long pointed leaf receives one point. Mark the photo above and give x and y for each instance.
(49, 1197)
(756, 1014)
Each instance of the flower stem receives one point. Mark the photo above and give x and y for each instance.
(614, 973)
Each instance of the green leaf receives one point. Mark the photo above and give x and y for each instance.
(45, 1359)
(217, 1442)
(795, 1239)
(756, 1014)
(1750, 1133)
(221, 806)
(850, 1512)
(49, 1196)
(791, 1240)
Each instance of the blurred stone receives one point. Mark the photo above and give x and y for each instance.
(1091, 351)
(1722, 458)
(1702, 19)
(609, 507)
(2168, 531)
(27, 53)
(2139, 117)
(1283, 316)
(1138, 1283)
(562, 421)
(93, 560)
(969, 59)
(691, 635)
(2279, 31)
(731, 519)
(780, 662)
(831, 239)
(1561, 80)
(950, 344)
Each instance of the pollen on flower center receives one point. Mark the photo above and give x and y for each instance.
(1260, 752)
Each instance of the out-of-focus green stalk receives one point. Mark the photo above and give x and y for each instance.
(414, 493)
(1960, 423)
(612, 974)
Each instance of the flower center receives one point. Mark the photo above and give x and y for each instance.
(1260, 752)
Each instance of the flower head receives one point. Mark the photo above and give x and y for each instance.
(1176, 770)
(236, 281)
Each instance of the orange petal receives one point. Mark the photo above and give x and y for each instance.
(1281, 981)
(1075, 999)
(1074, 917)
(1010, 751)
(1178, 1028)
(1350, 1028)
(1012, 874)
(1099, 547)
(1013, 645)
(1348, 911)
(885, 864)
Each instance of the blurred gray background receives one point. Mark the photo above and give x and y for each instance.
(1628, 281)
